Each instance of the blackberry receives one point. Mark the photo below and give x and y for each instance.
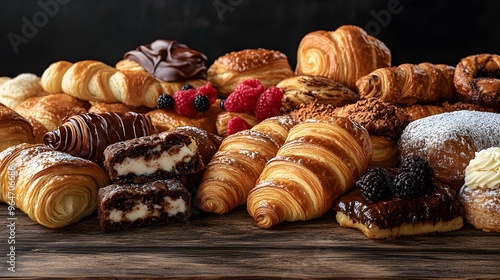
(186, 87)
(201, 103)
(375, 184)
(410, 184)
(418, 165)
(165, 101)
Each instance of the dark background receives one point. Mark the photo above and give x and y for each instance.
(415, 31)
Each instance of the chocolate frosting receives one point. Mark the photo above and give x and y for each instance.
(87, 135)
(170, 61)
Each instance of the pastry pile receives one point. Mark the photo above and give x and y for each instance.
(393, 150)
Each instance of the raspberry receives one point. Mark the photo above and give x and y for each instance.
(245, 95)
(236, 124)
(165, 101)
(201, 103)
(209, 91)
(269, 103)
(184, 102)
(375, 184)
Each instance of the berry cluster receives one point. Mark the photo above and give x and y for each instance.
(250, 96)
(413, 180)
(189, 101)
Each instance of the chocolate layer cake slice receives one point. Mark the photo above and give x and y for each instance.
(154, 157)
(132, 205)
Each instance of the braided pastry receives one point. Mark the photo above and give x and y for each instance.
(320, 161)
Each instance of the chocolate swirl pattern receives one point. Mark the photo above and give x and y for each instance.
(170, 61)
(87, 135)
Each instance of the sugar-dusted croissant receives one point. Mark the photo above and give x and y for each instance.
(235, 167)
(15, 90)
(55, 189)
(408, 84)
(14, 129)
(48, 112)
(343, 55)
(95, 81)
(320, 160)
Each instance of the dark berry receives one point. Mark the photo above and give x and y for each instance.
(418, 165)
(375, 184)
(186, 87)
(222, 104)
(165, 101)
(410, 184)
(201, 103)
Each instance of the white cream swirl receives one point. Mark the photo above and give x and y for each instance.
(483, 170)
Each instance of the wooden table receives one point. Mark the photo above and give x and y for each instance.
(230, 246)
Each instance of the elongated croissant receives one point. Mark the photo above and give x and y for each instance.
(55, 189)
(241, 157)
(95, 81)
(320, 160)
(343, 55)
(408, 84)
(14, 129)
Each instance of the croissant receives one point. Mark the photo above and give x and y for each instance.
(95, 81)
(320, 160)
(53, 188)
(16, 90)
(241, 157)
(419, 111)
(48, 112)
(14, 129)
(343, 55)
(409, 84)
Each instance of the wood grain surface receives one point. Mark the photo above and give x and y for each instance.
(230, 246)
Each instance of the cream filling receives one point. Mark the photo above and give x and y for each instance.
(166, 161)
(483, 170)
(172, 207)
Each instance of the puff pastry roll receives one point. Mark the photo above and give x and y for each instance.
(320, 160)
(241, 157)
(14, 129)
(55, 189)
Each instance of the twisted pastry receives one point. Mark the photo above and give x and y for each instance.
(241, 157)
(87, 135)
(343, 55)
(55, 189)
(320, 160)
(95, 81)
(408, 84)
(14, 129)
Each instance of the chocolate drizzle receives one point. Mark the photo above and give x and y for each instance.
(170, 61)
(87, 135)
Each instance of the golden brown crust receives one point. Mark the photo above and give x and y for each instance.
(419, 111)
(481, 207)
(14, 129)
(224, 117)
(268, 66)
(101, 107)
(343, 55)
(16, 90)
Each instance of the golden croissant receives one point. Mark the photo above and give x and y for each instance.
(55, 189)
(14, 129)
(241, 157)
(320, 160)
(408, 84)
(95, 81)
(343, 55)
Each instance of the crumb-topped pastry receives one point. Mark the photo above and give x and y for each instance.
(131, 205)
(480, 195)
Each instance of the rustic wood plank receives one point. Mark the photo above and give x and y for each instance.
(226, 246)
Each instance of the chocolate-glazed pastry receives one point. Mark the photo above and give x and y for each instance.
(87, 135)
(170, 61)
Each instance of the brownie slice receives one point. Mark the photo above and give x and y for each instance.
(154, 157)
(133, 205)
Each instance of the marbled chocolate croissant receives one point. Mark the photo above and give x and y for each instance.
(320, 160)
(235, 167)
(54, 188)
(87, 135)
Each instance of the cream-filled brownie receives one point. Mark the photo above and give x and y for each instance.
(132, 205)
(154, 157)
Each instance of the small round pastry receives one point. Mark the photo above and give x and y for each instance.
(477, 78)
(448, 141)
(307, 89)
(480, 194)
(16, 90)
(172, 63)
(267, 66)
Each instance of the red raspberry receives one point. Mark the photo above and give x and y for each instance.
(236, 124)
(244, 97)
(269, 103)
(209, 91)
(184, 102)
